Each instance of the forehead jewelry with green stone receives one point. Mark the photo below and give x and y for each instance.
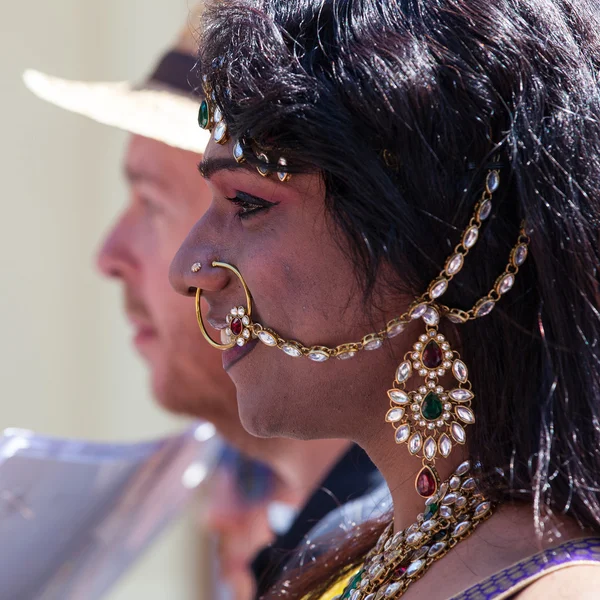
(210, 117)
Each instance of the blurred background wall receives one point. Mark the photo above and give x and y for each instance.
(66, 362)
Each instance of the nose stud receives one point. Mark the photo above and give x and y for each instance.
(196, 267)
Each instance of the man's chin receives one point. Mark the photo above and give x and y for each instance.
(167, 397)
(173, 393)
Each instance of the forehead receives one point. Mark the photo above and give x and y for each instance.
(219, 167)
(215, 150)
(153, 162)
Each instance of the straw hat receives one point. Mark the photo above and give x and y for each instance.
(164, 107)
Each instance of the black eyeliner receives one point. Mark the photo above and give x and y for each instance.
(250, 199)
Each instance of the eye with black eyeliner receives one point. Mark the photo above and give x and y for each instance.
(249, 205)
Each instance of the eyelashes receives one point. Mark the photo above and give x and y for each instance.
(249, 206)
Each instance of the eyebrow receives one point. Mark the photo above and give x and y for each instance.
(134, 175)
(210, 166)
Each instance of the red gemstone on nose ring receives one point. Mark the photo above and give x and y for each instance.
(236, 326)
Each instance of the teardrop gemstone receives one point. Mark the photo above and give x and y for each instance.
(236, 326)
(203, 115)
(432, 355)
(426, 483)
(238, 152)
(220, 132)
(432, 407)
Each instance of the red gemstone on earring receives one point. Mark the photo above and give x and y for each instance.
(432, 355)
(399, 572)
(236, 326)
(426, 483)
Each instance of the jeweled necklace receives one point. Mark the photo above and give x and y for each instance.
(398, 560)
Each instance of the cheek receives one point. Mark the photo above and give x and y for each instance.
(170, 233)
(281, 396)
(160, 295)
(303, 285)
(162, 243)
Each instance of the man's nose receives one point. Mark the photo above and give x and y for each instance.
(115, 258)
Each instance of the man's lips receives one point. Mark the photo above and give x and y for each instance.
(143, 331)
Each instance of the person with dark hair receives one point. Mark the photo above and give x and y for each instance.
(402, 250)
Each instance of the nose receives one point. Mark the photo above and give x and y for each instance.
(115, 258)
(192, 269)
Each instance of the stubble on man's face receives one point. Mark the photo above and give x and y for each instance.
(166, 197)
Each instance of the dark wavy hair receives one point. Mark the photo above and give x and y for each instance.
(443, 86)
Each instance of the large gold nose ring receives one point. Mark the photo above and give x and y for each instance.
(239, 319)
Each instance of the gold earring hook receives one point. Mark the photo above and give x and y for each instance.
(239, 318)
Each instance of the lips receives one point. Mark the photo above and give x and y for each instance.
(235, 354)
(143, 331)
(143, 335)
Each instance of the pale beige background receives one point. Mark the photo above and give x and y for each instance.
(66, 363)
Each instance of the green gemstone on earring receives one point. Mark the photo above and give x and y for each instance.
(203, 115)
(432, 408)
(431, 511)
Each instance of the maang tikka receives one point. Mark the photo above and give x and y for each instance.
(211, 118)
(429, 417)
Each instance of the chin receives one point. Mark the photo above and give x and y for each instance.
(255, 417)
(165, 400)
(278, 396)
(265, 416)
(166, 395)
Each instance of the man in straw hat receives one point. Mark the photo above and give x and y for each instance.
(167, 196)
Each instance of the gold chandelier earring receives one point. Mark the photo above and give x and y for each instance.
(431, 418)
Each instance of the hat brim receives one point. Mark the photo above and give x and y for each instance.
(160, 114)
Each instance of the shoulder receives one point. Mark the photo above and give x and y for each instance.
(579, 581)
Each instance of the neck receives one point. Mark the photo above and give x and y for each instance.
(302, 465)
(400, 469)
(299, 465)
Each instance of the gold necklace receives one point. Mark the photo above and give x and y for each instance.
(398, 560)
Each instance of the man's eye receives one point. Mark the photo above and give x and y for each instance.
(150, 206)
(249, 205)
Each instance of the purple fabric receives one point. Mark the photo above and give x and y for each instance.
(517, 577)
